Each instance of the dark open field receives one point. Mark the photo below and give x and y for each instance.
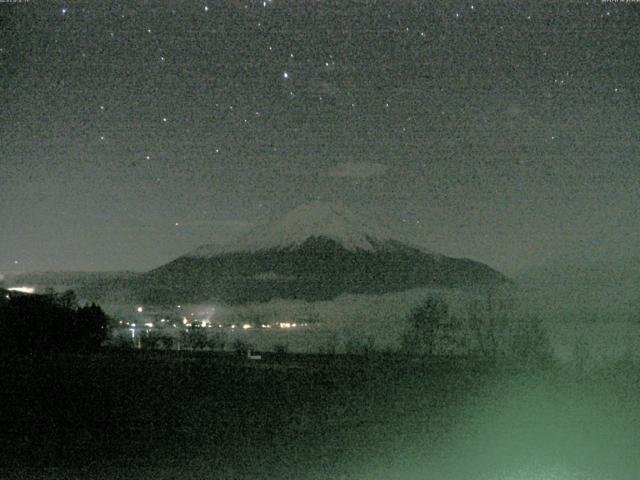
(162, 415)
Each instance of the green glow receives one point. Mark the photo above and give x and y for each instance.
(556, 428)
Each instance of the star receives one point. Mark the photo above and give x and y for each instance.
(64, 11)
(285, 75)
(206, 8)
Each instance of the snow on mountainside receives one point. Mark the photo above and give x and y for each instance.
(316, 252)
(320, 219)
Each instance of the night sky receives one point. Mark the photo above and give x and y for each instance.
(132, 132)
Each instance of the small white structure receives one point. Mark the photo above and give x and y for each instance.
(250, 356)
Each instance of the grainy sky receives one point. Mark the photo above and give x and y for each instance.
(134, 131)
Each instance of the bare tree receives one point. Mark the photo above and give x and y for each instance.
(530, 345)
(487, 318)
(425, 322)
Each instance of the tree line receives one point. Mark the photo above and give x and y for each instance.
(489, 331)
(49, 323)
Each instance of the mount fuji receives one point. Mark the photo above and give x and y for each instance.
(315, 252)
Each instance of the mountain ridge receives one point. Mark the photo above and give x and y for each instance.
(314, 252)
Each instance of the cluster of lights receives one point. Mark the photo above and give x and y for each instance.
(189, 320)
(287, 325)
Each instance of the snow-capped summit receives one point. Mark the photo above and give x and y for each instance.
(328, 220)
(315, 252)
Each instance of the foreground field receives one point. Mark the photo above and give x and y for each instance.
(139, 415)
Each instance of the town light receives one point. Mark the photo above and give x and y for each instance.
(22, 289)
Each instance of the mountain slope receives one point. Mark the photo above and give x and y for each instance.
(315, 252)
